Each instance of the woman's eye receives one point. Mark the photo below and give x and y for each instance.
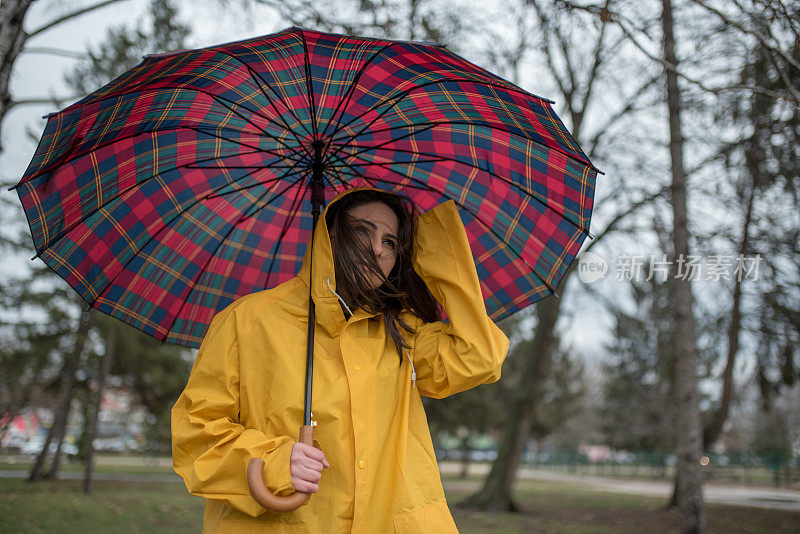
(391, 243)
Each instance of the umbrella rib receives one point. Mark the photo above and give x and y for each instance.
(310, 87)
(256, 76)
(393, 101)
(269, 120)
(499, 239)
(198, 167)
(400, 96)
(367, 126)
(293, 150)
(348, 139)
(167, 223)
(120, 193)
(258, 114)
(533, 194)
(75, 156)
(503, 83)
(292, 212)
(231, 106)
(433, 160)
(261, 133)
(154, 236)
(243, 216)
(408, 185)
(216, 98)
(350, 90)
(343, 146)
(336, 173)
(259, 81)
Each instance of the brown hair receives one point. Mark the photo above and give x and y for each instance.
(402, 288)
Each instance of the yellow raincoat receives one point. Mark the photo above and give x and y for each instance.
(244, 397)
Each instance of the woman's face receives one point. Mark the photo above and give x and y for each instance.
(377, 223)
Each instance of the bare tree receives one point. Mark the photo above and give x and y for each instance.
(58, 429)
(14, 38)
(689, 443)
(575, 73)
(108, 356)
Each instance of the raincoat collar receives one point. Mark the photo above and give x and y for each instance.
(329, 313)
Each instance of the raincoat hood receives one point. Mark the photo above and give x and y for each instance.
(322, 278)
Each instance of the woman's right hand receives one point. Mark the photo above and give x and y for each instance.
(305, 466)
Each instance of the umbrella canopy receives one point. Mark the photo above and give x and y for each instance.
(186, 182)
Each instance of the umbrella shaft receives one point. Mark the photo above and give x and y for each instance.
(317, 199)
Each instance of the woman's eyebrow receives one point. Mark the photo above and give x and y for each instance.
(375, 227)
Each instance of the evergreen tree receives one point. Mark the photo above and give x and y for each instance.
(637, 374)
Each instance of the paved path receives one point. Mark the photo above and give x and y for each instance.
(759, 497)
(124, 477)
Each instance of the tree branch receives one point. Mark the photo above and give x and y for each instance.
(72, 15)
(618, 20)
(54, 51)
(610, 227)
(595, 140)
(545, 26)
(51, 100)
(749, 31)
(598, 60)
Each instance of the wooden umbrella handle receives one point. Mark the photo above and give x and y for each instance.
(266, 498)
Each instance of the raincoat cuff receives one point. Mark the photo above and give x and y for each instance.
(277, 476)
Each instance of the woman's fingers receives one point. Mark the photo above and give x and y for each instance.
(311, 453)
(309, 475)
(305, 466)
(306, 480)
(304, 486)
(314, 453)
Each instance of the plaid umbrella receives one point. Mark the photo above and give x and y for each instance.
(186, 182)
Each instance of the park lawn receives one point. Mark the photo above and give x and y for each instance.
(75, 467)
(550, 507)
(113, 506)
(103, 464)
(572, 508)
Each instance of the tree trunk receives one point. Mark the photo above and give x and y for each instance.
(98, 400)
(495, 495)
(61, 417)
(689, 442)
(712, 431)
(465, 450)
(12, 39)
(52, 473)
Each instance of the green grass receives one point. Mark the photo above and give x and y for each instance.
(572, 508)
(152, 507)
(550, 507)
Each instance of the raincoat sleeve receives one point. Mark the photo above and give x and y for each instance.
(470, 349)
(210, 447)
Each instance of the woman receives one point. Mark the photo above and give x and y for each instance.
(378, 346)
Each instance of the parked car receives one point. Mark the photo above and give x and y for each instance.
(483, 455)
(34, 447)
(476, 455)
(110, 444)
